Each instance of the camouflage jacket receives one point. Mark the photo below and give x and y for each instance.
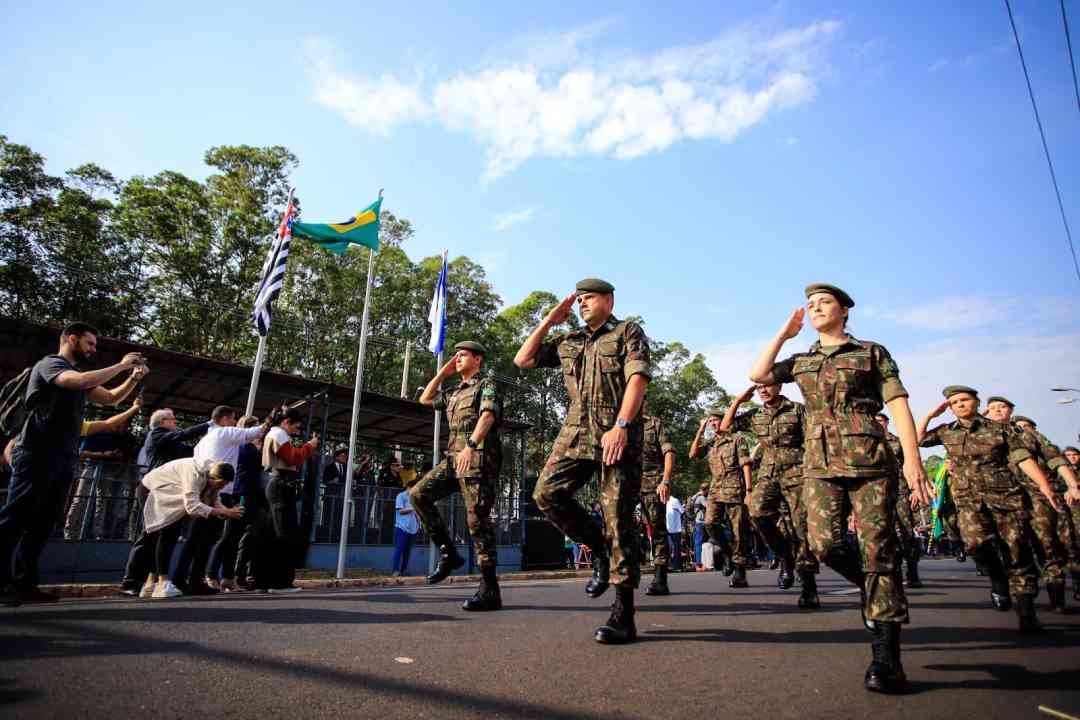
(727, 453)
(464, 405)
(779, 431)
(896, 451)
(597, 366)
(656, 445)
(981, 451)
(1047, 455)
(843, 387)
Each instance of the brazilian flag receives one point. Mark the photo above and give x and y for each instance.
(361, 229)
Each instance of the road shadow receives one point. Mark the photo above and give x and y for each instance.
(10, 695)
(1000, 676)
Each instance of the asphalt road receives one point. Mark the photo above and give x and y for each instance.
(705, 651)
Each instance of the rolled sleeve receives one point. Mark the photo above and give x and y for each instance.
(665, 442)
(489, 398)
(744, 422)
(742, 451)
(931, 438)
(784, 371)
(889, 373)
(548, 354)
(638, 360)
(1019, 455)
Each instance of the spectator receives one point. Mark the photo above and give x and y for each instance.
(282, 461)
(43, 460)
(166, 442)
(251, 489)
(223, 556)
(177, 490)
(94, 451)
(406, 526)
(334, 473)
(675, 512)
(699, 504)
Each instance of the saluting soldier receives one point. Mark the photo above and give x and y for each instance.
(846, 462)
(606, 369)
(778, 427)
(990, 500)
(905, 518)
(729, 463)
(471, 466)
(1054, 539)
(657, 464)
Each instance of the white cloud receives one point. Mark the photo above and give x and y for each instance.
(971, 312)
(507, 220)
(621, 106)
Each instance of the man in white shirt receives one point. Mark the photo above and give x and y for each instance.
(675, 512)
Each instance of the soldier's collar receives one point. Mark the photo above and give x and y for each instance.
(817, 346)
(971, 424)
(607, 327)
(781, 402)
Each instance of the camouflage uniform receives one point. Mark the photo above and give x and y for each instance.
(656, 446)
(596, 366)
(989, 500)
(847, 467)
(905, 518)
(463, 409)
(1053, 542)
(727, 454)
(779, 481)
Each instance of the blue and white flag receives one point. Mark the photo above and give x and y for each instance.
(273, 272)
(437, 315)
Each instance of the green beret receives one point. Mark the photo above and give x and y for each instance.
(1070, 447)
(951, 390)
(836, 292)
(1024, 418)
(717, 410)
(595, 285)
(998, 398)
(472, 346)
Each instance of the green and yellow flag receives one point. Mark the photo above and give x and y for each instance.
(361, 229)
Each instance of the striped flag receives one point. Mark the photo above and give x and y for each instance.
(437, 315)
(273, 272)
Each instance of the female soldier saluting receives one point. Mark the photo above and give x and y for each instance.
(846, 463)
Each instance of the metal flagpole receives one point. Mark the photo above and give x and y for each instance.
(255, 375)
(347, 500)
(405, 372)
(432, 550)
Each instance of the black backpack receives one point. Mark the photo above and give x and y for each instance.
(13, 404)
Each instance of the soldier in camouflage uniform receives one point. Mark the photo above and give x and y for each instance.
(847, 468)
(778, 427)
(1053, 537)
(729, 463)
(1072, 454)
(472, 463)
(905, 518)
(657, 464)
(990, 499)
(606, 369)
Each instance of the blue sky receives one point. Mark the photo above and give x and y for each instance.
(708, 161)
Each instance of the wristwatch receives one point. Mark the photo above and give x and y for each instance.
(473, 445)
(620, 423)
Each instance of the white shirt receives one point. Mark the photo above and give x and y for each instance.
(222, 444)
(174, 488)
(407, 522)
(674, 515)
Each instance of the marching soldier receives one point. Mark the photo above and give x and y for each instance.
(471, 466)
(1072, 454)
(606, 369)
(846, 462)
(729, 463)
(778, 427)
(905, 518)
(657, 464)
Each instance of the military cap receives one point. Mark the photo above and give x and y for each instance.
(717, 410)
(1067, 448)
(472, 346)
(595, 285)
(1024, 418)
(998, 398)
(836, 292)
(951, 390)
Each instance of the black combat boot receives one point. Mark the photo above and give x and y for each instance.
(808, 600)
(1076, 585)
(449, 561)
(913, 580)
(620, 628)
(775, 562)
(999, 594)
(729, 567)
(1056, 593)
(961, 554)
(487, 596)
(598, 583)
(658, 586)
(786, 578)
(869, 624)
(1025, 612)
(885, 673)
(738, 578)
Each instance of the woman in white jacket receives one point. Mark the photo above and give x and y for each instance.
(176, 491)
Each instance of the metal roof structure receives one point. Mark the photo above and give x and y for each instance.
(194, 385)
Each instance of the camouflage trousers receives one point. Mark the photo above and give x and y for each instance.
(950, 521)
(905, 527)
(736, 514)
(990, 524)
(620, 490)
(805, 561)
(478, 494)
(872, 502)
(656, 516)
(1051, 538)
(766, 502)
